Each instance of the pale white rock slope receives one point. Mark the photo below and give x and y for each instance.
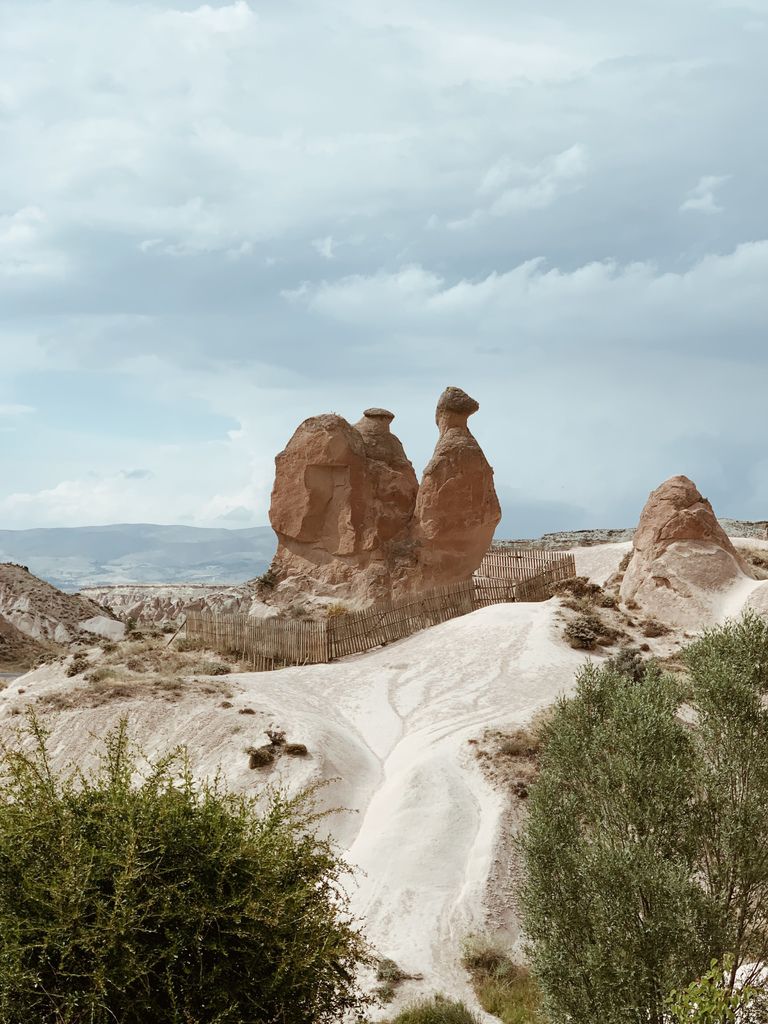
(391, 728)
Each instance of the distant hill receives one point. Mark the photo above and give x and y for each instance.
(88, 556)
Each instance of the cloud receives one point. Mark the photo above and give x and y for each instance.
(514, 188)
(137, 474)
(592, 305)
(217, 219)
(701, 197)
(16, 410)
(25, 253)
(324, 246)
(229, 19)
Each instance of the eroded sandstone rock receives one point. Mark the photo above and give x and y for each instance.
(682, 561)
(457, 510)
(352, 521)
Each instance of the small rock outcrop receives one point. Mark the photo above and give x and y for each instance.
(353, 522)
(682, 560)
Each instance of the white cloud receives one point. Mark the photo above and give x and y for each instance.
(231, 18)
(325, 246)
(171, 177)
(16, 410)
(701, 197)
(25, 252)
(594, 304)
(513, 187)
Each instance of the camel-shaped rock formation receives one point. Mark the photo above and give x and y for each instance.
(353, 522)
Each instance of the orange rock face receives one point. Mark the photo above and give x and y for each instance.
(682, 560)
(352, 521)
(457, 510)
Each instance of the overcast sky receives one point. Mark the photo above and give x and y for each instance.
(218, 220)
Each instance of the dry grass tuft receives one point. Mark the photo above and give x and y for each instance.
(503, 988)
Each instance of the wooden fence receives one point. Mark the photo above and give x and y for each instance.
(273, 643)
(525, 563)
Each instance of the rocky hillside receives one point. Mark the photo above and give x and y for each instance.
(587, 538)
(158, 605)
(17, 651)
(37, 619)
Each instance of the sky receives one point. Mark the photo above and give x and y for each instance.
(218, 220)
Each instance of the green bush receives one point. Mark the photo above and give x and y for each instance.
(436, 1011)
(164, 900)
(711, 1000)
(645, 844)
(628, 662)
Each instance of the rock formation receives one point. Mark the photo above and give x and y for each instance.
(682, 560)
(352, 521)
(457, 509)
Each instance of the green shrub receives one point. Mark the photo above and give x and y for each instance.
(711, 1000)
(185, 644)
(213, 668)
(583, 632)
(645, 844)
(436, 1011)
(78, 664)
(165, 901)
(628, 662)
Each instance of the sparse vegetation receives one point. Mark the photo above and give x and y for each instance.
(653, 628)
(139, 667)
(389, 976)
(268, 579)
(588, 631)
(628, 662)
(503, 988)
(166, 901)
(185, 644)
(264, 756)
(78, 664)
(260, 757)
(576, 586)
(436, 1011)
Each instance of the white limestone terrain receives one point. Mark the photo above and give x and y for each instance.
(389, 732)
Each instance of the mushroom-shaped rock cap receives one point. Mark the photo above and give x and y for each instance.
(379, 414)
(454, 407)
(375, 423)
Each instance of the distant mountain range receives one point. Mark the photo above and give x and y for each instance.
(88, 556)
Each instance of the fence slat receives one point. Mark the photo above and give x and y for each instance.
(504, 575)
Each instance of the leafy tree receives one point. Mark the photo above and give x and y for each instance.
(646, 846)
(729, 681)
(711, 1000)
(164, 900)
